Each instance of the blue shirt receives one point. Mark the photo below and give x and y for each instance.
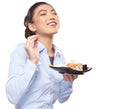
(36, 86)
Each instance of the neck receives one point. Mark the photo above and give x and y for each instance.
(47, 41)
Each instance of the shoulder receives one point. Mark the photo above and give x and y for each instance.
(19, 49)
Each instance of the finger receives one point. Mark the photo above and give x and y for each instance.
(75, 76)
(71, 77)
(36, 42)
(31, 39)
(65, 77)
(68, 77)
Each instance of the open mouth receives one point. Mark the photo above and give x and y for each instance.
(52, 23)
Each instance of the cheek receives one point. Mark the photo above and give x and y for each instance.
(40, 21)
(58, 22)
(58, 25)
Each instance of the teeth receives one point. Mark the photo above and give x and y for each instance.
(52, 24)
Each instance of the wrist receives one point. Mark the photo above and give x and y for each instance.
(34, 61)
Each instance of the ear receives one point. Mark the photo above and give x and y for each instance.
(31, 27)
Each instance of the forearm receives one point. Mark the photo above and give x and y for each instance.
(65, 91)
(19, 81)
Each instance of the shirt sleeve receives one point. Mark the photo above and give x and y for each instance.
(21, 74)
(65, 87)
(65, 91)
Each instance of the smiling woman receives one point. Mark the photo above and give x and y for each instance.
(39, 23)
(32, 84)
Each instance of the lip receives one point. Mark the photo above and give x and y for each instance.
(52, 23)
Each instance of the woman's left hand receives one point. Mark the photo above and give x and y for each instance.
(69, 77)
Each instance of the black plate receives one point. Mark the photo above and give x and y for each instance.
(70, 70)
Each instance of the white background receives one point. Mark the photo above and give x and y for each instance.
(88, 33)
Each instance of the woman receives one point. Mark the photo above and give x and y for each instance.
(32, 84)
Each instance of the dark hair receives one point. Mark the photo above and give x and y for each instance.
(29, 16)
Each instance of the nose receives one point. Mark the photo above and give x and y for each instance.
(51, 16)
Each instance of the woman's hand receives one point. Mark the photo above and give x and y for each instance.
(31, 46)
(69, 77)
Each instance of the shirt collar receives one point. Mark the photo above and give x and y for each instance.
(57, 51)
(41, 48)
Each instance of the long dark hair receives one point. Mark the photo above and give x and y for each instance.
(29, 16)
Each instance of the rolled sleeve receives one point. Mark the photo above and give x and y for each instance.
(21, 75)
(17, 84)
(65, 91)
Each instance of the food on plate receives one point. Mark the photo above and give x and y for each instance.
(77, 66)
(73, 65)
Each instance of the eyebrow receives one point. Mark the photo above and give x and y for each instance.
(43, 10)
(53, 10)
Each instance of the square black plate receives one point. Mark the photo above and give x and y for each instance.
(70, 70)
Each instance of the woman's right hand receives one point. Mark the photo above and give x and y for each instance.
(31, 46)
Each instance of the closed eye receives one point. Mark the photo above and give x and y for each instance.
(42, 14)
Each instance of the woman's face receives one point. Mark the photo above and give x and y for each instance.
(45, 20)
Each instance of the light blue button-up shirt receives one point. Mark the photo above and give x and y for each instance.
(36, 86)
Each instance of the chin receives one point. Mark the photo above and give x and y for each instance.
(54, 32)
